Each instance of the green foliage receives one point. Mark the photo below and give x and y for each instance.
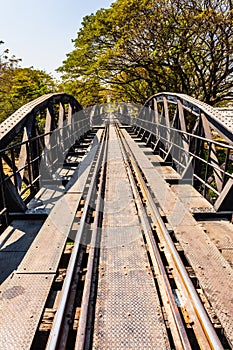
(20, 85)
(139, 47)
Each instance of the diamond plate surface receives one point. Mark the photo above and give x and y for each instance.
(192, 198)
(19, 235)
(79, 179)
(120, 235)
(21, 303)
(128, 312)
(45, 252)
(213, 272)
(9, 261)
(228, 255)
(14, 243)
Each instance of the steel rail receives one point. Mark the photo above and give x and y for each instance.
(81, 333)
(58, 319)
(156, 258)
(204, 320)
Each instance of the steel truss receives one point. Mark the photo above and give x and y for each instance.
(193, 137)
(43, 130)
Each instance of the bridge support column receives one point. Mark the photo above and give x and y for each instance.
(224, 201)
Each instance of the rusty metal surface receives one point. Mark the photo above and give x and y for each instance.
(23, 296)
(193, 200)
(21, 303)
(208, 263)
(213, 272)
(128, 313)
(221, 233)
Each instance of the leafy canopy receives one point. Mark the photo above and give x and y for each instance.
(139, 47)
(20, 85)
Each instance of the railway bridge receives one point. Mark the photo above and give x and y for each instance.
(116, 225)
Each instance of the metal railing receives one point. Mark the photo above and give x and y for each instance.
(25, 165)
(202, 166)
(198, 160)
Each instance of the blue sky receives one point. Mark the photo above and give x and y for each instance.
(40, 31)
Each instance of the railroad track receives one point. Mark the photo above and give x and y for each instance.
(124, 279)
(95, 270)
(205, 334)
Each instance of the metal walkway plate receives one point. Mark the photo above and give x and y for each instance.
(14, 243)
(214, 273)
(45, 252)
(23, 295)
(19, 235)
(193, 200)
(21, 304)
(128, 312)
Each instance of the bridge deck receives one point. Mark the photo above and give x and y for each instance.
(32, 271)
(128, 313)
(14, 244)
(208, 263)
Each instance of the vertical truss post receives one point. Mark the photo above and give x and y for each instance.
(23, 157)
(167, 121)
(48, 127)
(61, 116)
(50, 142)
(70, 133)
(34, 153)
(61, 132)
(156, 117)
(183, 125)
(197, 146)
(183, 139)
(3, 205)
(213, 154)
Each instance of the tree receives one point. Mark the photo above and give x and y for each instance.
(139, 47)
(20, 85)
(201, 47)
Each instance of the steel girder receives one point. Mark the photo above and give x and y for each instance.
(23, 145)
(183, 128)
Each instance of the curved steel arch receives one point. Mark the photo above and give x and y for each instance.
(47, 126)
(194, 152)
(27, 113)
(215, 117)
